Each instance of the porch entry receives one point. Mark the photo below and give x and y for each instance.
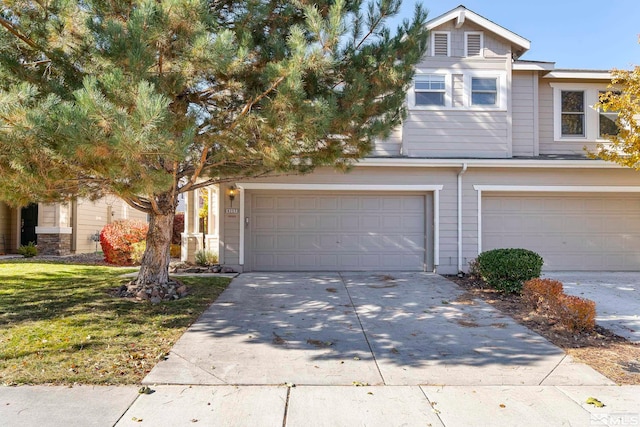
(28, 223)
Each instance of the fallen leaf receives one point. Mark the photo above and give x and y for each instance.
(145, 390)
(595, 402)
(502, 405)
(360, 384)
(136, 420)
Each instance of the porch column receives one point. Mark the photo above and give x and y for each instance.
(191, 239)
(53, 229)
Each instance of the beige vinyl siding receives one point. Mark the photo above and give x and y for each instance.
(92, 216)
(450, 133)
(391, 146)
(523, 114)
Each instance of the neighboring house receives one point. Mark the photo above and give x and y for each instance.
(491, 155)
(60, 228)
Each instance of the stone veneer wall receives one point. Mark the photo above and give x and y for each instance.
(54, 244)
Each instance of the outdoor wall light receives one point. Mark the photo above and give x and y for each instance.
(232, 193)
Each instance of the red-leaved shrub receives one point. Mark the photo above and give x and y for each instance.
(116, 240)
(576, 314)
(178, 228)
(542, 293)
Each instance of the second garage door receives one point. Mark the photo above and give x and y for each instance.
(572, 231)
(300, 231)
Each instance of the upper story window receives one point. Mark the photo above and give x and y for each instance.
(473, 44)
(440, 43)
(484, 91)
(573, 113)
(430, 89)
(607, 125)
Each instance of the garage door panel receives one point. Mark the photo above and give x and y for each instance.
(344, 231)
(285, 203)
(578, 231)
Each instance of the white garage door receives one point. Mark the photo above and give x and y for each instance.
(300, 231)
(571, 231)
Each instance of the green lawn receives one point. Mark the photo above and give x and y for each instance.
(59, 324)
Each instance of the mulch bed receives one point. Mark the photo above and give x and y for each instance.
(611, 355)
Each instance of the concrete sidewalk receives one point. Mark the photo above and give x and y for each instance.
(342, 350)
(331, 406)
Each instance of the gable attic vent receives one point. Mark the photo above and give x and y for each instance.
(440, 44)
(474, 44)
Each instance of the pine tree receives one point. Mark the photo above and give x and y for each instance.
(147, 99)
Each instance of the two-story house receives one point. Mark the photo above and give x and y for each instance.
(491, 155)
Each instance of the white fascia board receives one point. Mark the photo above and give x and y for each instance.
(334, 187)
(578, 75)
(538, 66)
(487, 163)
(483, 22)
(560, 188)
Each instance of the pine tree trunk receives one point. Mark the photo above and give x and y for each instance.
(154, 269)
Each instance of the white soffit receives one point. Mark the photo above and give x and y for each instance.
(578, 74)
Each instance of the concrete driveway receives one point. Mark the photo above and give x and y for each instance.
(357, 329)
(616, 294)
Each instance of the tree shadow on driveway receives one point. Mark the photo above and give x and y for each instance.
(355, 328)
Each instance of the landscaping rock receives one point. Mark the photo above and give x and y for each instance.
(153, 293)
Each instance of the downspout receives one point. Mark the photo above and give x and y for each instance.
(462, 171)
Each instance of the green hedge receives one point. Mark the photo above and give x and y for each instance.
(507, 269)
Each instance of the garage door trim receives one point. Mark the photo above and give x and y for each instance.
(546, 189)
(242, 186)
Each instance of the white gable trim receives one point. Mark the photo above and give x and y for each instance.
(461, 13)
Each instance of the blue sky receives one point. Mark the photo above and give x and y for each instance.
(577, 34)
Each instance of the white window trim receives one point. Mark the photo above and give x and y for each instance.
(448, 89)
(501, 98)
(466, 43)
(591, 112)
(433, 42)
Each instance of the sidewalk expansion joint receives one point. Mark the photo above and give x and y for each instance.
(355, 310)
(553, 370)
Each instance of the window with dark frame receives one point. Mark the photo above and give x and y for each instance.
(607, 120)
(572, 113)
